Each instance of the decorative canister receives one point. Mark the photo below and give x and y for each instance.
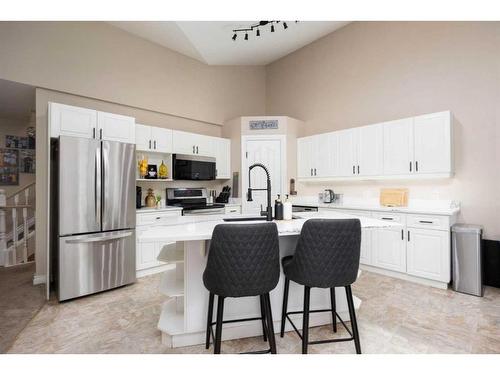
(150, 199)
(163, 171)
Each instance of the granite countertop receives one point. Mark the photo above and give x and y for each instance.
(429, 207)
(198, 228)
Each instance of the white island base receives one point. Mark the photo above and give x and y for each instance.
(184, 315)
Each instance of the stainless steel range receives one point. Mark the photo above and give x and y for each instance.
(193, 201)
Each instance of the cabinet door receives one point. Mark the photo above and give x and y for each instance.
(205, 146)
(432, 138)
(365, 256)
(143, 140)
(347, 150)
(183, 143)
(117, 128)
(398, 147)
(428, 254)
(321, 155)
(146, 255)
(304, 150)
(222, 158)
(162, 139)
(370, 150)
(72, 121)
(389, 249)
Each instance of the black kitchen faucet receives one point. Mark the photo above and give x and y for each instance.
(268, 213)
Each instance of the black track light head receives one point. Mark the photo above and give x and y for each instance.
(272, 28)
(246, 36)
(285, 26)
(234, 36)
(258, 32)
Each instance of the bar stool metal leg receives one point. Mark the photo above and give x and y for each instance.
(305, 320)
(352, 315)
(285, 306)
(334, 309)
(209, 319)
(263, 315)
(218, 325)
(270, 324)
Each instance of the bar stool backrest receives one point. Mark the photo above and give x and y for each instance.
(243, 260)
(327, 253)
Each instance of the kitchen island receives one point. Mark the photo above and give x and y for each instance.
(185, 242)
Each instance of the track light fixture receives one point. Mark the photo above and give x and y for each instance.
(257, 26)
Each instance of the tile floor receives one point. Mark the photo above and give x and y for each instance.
(20, 300)
(396, 317)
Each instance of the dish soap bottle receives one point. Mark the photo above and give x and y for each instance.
(163, 171)
(287, 209)
(278, 209)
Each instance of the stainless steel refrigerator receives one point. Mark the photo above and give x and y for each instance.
(96, 211)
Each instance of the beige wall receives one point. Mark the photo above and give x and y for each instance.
(105, 68)
(368, 72)
(98, 60)
(9, 126)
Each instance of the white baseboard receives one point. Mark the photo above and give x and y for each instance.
(153, 270)
(404, 276)
(39, 279)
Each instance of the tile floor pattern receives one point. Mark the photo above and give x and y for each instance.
(396, 317)
(20, 300)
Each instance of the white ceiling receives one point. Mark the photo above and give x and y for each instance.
(211, 43)
(16, 100)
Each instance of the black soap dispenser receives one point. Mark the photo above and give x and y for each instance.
(278, 209)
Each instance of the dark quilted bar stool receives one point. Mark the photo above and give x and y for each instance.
(326, 256)
(243, 261)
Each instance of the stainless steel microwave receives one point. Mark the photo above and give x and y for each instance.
(190, 167)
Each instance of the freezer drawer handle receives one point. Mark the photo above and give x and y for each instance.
(101, 238)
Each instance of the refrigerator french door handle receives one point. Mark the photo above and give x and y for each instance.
(103, 181)
(96, 168)
(100, 238)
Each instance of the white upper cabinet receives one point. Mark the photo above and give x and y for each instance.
(162, 139)
(89, 123)
(222, 158)
(347, 152)
(316, 156)
(398, 147)
(192, 144)
(153, 139)
(432, 140)
(370, 150)
(117, 128)
(304, 153)
(72, 121)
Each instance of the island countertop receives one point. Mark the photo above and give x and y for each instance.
(199, 228)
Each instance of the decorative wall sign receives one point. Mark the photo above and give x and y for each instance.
(9, 171)
(263, 124)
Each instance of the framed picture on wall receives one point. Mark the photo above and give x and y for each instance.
(27, 161)
(9, 170)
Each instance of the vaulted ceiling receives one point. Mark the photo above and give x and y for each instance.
(211, 42)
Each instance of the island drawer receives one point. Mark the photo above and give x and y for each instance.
(397, 218)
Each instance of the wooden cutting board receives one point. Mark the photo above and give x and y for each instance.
(394, 197)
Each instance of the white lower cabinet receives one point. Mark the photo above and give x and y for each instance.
(426, 254)
(419, 249)
(389, 249)
(147, 252)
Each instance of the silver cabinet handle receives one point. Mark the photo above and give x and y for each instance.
(194, 148)
(416, 166)
(387, 218)
(402, 234)
(426, 222)
(408, 236)
(93, 133)
(311, 171)
(100, 133)
(358, 169)
(315, 171)
(197, 150)
(353, 169)
(100, 238)
(410, 166)
(150, 144)
(154, 144)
